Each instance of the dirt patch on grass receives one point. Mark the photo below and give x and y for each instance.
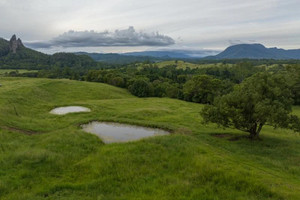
(13, 129)
(228, 136)
(221, 135)
(236, 138)
(184, 131)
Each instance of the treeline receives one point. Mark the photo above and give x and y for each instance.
(195, 85)
(33, 60)
(199, 85)
(152, 81)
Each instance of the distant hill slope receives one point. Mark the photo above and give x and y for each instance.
(256, 51)
(152, 56)
(15, 49)
(114, 58)
(175, 53)
(14, 55)
(4, 47)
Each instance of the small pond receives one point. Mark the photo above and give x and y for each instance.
(69, 109)
(114, 132)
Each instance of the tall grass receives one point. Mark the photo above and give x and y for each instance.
(60, 161)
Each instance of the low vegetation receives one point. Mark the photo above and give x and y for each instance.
(44, 156)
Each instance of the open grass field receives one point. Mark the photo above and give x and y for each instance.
(183, 65)
(44, 156)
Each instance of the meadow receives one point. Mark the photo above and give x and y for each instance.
(184, 65)
(44, 156)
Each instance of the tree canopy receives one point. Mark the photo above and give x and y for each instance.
(259, 100)
(201, 89)
(140, 87)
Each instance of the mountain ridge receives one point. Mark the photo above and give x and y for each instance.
(14, 55)
(256, 51)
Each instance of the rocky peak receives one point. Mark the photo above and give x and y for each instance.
(15, 44)
(13, 38)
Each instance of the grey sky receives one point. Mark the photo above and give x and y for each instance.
(196, 24)
(127, 37)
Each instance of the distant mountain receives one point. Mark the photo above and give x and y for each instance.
(114, 58)
(13, 54)
(152, 56)
(256, 51)
(175, 53)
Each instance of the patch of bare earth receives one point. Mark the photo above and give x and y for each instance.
(13, 129)
(229, 137)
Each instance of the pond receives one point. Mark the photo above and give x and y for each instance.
(115, 132)
(69, 109)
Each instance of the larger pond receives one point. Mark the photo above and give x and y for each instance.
(114, 132)
(69, 109)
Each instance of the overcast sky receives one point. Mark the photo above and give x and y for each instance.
(135, 25)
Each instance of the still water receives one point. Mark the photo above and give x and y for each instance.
(114, 132)
(69, 109)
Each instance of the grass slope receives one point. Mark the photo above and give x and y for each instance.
(60, 161)
(183, 65)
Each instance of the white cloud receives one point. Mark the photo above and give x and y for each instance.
(126, 37)
(197, 22)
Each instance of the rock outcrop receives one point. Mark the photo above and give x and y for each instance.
(15, 44)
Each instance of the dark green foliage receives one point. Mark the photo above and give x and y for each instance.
(202, 89)
(72, 60)
(140, 87)
(4, 47)
(24, 59)
(113, 58)
(236, 73)
(259, 100)
(169, 81)
(293, 76)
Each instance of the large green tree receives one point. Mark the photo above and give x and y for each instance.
(202, 89)
(262, 99)
(293, 75)
(140, 87)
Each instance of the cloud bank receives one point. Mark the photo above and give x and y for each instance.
(235, 42)
(126, 37)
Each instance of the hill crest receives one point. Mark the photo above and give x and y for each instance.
(257, 51)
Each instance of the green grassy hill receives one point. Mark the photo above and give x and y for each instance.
(183, 65)
(44, 156)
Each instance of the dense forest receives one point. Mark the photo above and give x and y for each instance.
(199, 85)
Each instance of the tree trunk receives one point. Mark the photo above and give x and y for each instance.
(259, 129)
(253, 134)
(254, 131)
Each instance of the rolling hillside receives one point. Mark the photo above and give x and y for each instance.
(43, 156)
